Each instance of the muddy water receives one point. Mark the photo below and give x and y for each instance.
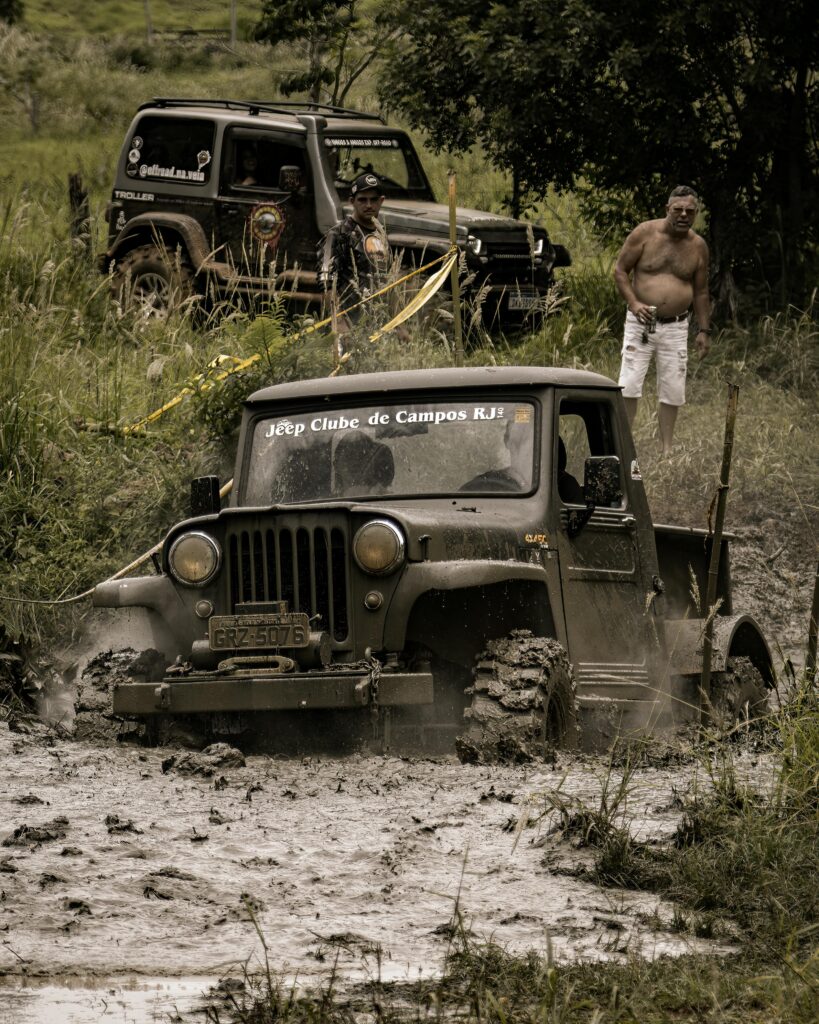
(361, 861)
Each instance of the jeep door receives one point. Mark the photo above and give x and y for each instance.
(606, 584)
(266, 224)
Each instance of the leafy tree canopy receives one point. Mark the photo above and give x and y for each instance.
(341, 38)
(624, 103)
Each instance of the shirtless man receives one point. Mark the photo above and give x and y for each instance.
(663, 263)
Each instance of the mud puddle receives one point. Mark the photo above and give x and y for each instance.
(137, 869)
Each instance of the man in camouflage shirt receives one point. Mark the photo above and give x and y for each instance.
(354, 256)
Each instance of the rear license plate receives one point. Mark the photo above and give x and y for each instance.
(254, 632)
(522, 300)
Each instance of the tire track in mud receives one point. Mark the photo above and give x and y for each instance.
(355, 862)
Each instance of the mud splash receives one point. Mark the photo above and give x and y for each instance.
(361, 862)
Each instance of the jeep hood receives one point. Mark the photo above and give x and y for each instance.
(432, 219)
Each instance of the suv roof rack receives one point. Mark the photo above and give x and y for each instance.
(257, 106)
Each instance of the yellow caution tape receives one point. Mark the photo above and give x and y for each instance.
(420, 299)
(203, 381)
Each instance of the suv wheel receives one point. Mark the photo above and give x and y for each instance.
(153, 279)
(523, 702)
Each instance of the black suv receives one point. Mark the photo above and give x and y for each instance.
(228, 198)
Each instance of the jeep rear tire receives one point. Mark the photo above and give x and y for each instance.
(738, 695)
(523, 702)
(153, 279)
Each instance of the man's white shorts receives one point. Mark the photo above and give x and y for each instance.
(669, 344)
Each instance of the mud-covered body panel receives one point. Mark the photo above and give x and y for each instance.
(470, 566)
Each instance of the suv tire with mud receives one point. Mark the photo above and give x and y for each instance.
(523, 702)
(153, 278)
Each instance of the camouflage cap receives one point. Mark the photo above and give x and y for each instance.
(366, 182)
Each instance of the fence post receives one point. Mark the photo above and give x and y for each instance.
(716, 550)
(80, 226)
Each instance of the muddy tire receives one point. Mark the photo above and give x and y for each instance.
(739, 695)
(153, 279)
(523, 702)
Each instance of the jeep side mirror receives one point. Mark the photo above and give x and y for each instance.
(205, 498)
(601, 480)
(290, 178)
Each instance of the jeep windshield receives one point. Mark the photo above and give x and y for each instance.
(390, 156)
(396, 450)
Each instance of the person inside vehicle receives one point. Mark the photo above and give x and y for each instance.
(519, 439)
(361, 466)
(570, 491)
(248, 166)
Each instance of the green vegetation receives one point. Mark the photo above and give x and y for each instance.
(741, 867)
(80, 499)
(622, 108)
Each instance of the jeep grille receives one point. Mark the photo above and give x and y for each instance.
(307, 567)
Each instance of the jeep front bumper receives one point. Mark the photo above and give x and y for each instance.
(210, 692)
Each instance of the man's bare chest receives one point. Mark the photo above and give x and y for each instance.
(662, 256)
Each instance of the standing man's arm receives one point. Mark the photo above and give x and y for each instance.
(626, 262)
(702, 303)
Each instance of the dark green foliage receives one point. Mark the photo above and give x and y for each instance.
(564, 93)
(11, 11)
(341, 43)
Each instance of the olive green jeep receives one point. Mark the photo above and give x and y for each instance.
(436, 557)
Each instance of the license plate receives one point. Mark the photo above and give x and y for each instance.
(522, 300)
(254, 632)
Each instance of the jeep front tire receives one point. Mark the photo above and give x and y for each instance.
(523, 702)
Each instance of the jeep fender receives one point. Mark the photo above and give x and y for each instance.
(147, 227)
(171, 620)
(734, 636)
(418, 579)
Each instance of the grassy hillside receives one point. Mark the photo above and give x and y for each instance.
(127, 17)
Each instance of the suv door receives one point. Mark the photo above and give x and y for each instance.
(265, 225)
(609, 619)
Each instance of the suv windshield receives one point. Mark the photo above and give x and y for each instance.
(391, 157)
(436, 448)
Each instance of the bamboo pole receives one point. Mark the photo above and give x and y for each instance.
(456, 285)
(813, 628)
(716, 549)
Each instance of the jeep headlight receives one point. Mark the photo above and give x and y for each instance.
(540, 244)
(378, 547)
(194, 559)
(474, 245)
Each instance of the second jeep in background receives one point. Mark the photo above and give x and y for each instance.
(230, 198)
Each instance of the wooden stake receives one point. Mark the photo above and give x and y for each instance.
(716, 549)
(456, 285)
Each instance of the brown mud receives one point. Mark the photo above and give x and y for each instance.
(125, 862)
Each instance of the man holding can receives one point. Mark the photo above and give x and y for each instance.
(662, 273)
